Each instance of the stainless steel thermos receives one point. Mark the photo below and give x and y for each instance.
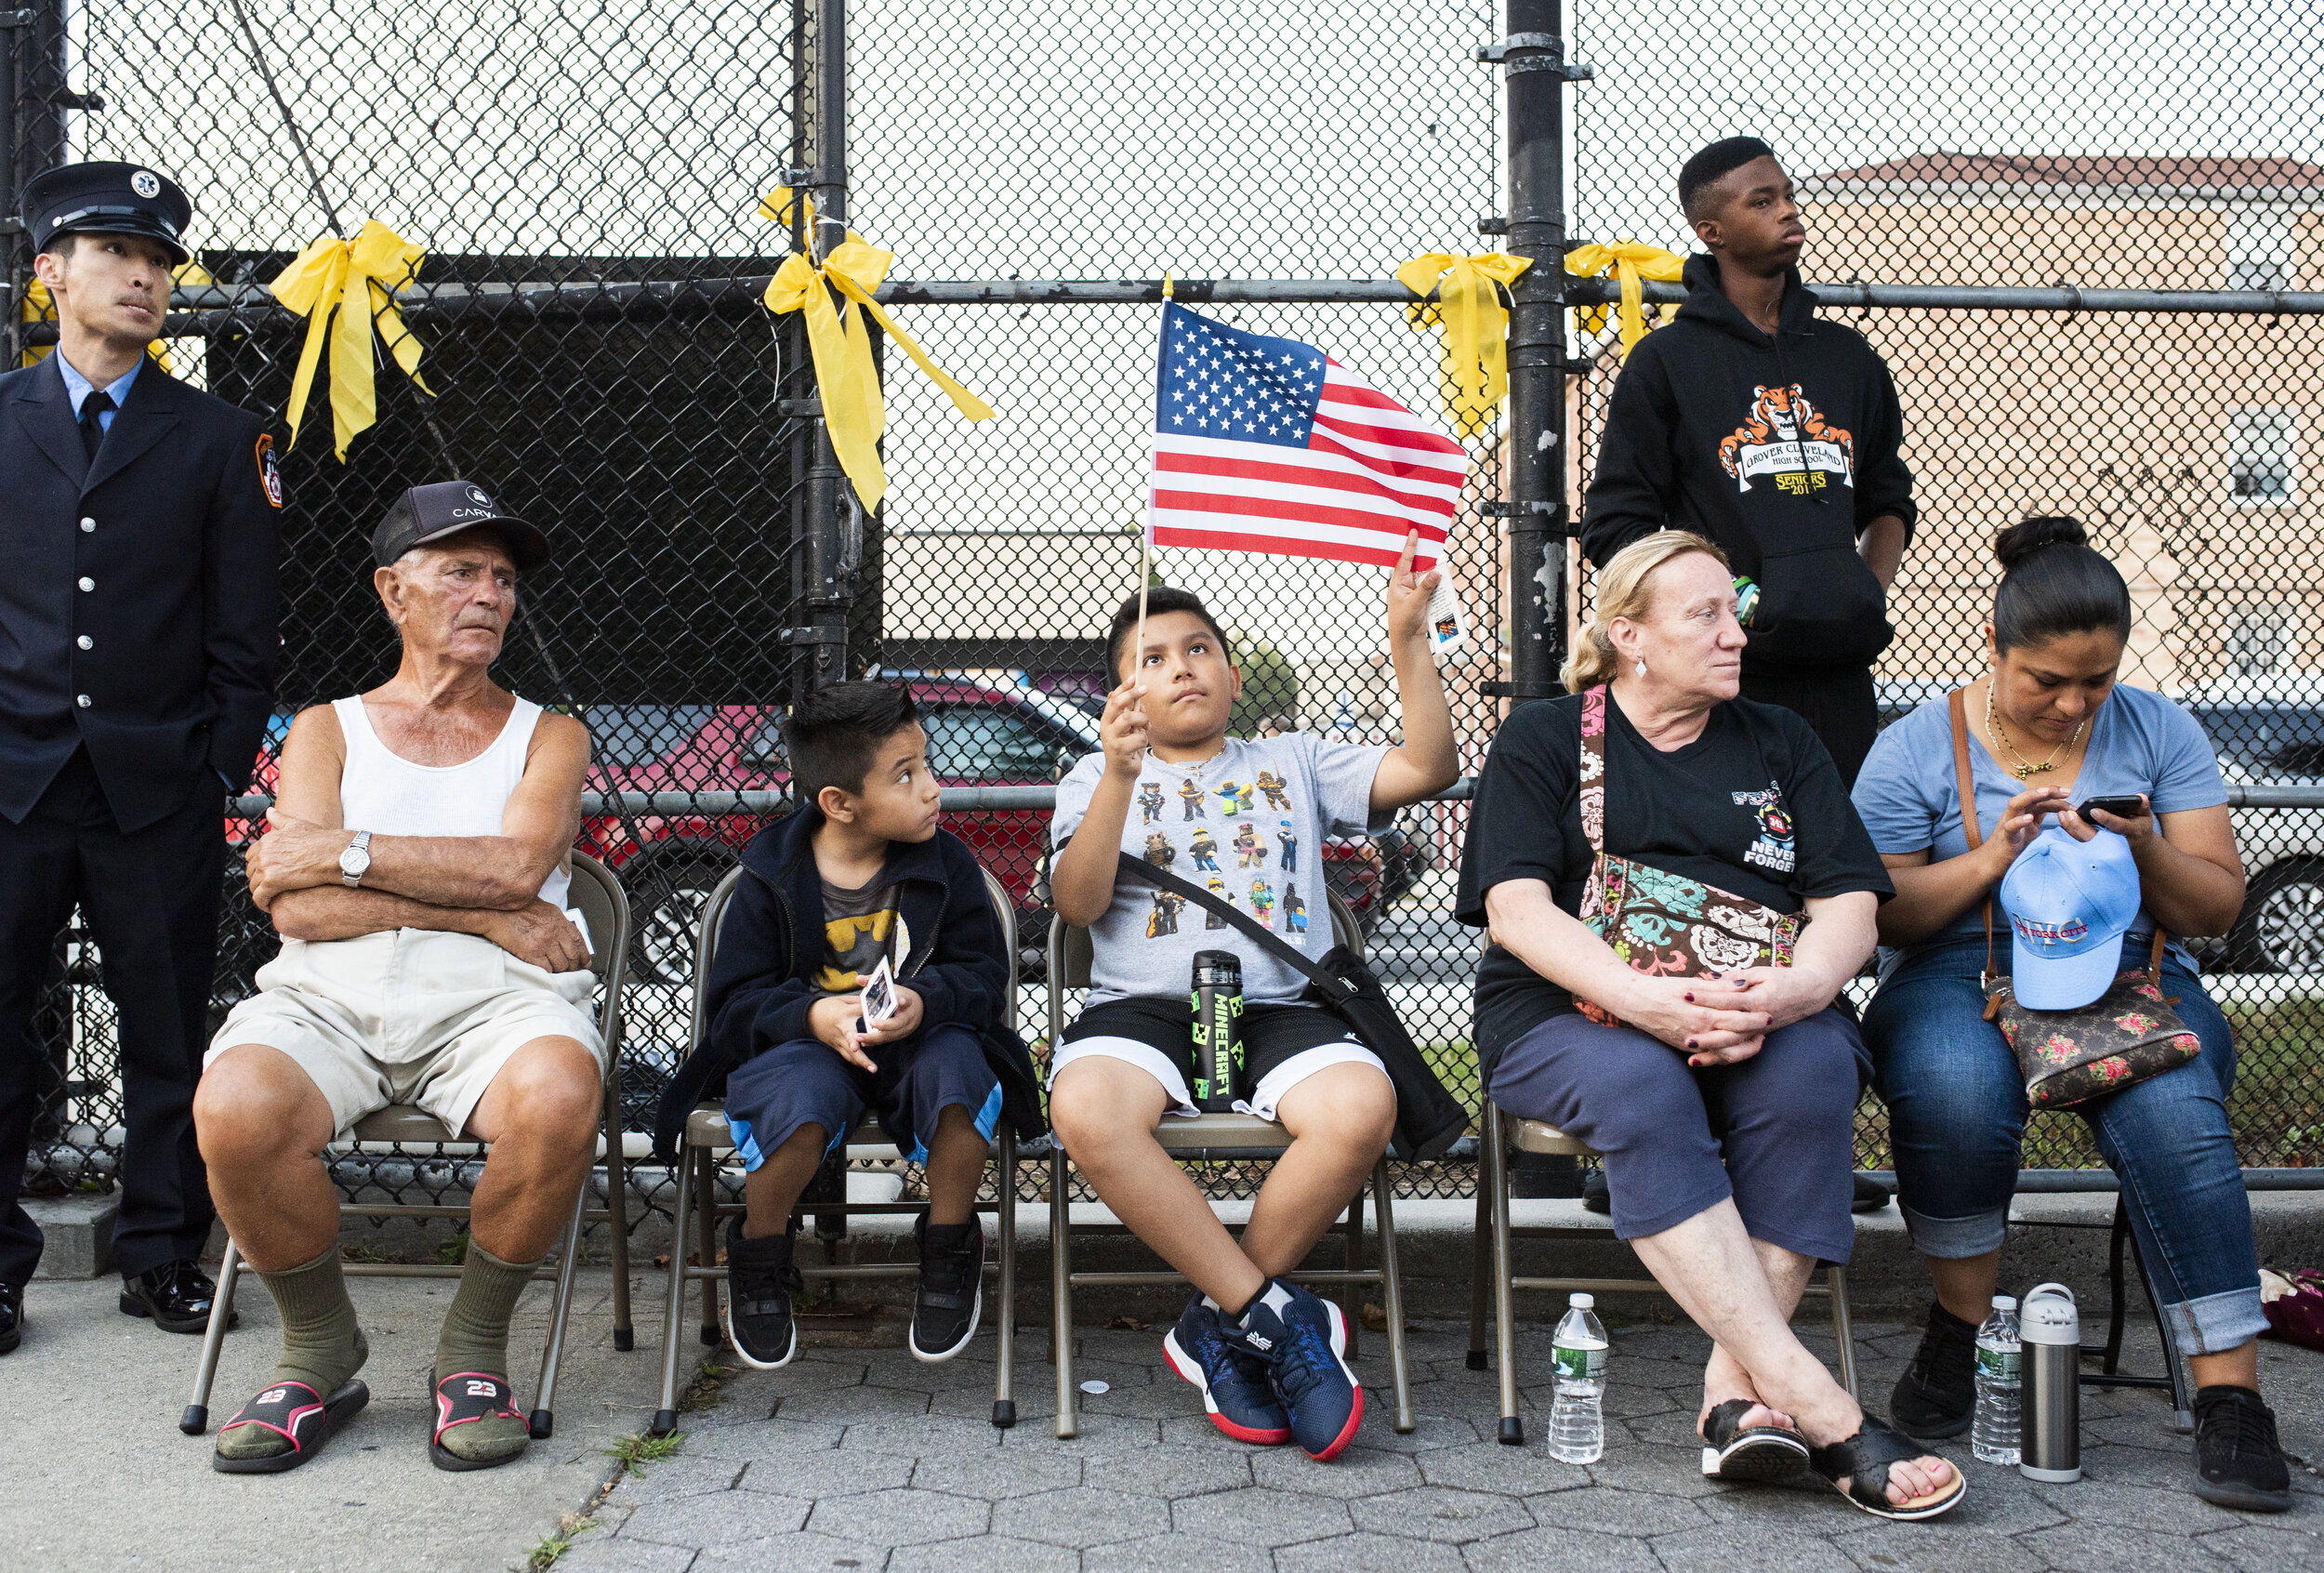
(2049, 1440)
(1218, 1030)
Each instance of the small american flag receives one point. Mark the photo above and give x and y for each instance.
(1268, 444)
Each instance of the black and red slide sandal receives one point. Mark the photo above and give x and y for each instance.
(300, 1415)
(463, 1398)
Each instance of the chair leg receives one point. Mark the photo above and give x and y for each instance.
(1504, 1314)
(1842, 1325)
(2182, 1401)
(674, 1307)
(1352, 1294)
(1005, 1322)
(196, 1420)
(706, 1206)
(1480, 1272)
(543, 1421)
(1392, 1297)
(2111, 1360)
(618, 1225)
(1061, 1291)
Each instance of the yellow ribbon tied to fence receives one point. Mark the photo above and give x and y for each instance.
(1468, 305)
(368, 268)
(1631, 261)
(846, 378)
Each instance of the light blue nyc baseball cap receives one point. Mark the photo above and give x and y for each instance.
(2069, 904)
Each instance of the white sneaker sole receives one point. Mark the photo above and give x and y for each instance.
(976, 1314)
(726, 1315)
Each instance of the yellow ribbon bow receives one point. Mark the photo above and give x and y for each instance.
(39, 307)
(846, 379)
(317, 285)
(1469, 307)
(1631, 260)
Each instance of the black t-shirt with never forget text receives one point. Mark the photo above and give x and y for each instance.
(1753, 806)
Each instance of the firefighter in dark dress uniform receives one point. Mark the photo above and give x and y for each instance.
(138, 525)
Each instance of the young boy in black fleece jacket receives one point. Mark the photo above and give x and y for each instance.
(1750, 421)
(860, 874)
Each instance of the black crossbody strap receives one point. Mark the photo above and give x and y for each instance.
(1139, 871)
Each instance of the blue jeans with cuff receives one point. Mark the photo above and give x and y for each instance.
(1957, 1113)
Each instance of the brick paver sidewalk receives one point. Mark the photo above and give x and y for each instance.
(865, 1459)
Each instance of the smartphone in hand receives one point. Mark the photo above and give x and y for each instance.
(2122, 806)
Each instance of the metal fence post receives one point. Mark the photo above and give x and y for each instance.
(1533, 56)
(830, 505)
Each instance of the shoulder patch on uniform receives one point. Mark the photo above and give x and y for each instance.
(269, 473)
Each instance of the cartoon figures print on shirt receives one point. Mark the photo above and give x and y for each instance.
(1294, 910)
(1218, 888)
(1273, 787)
(1149, 802)
(1249, 851)
(1773, 850)
(1205, 849)
(1291, 845)
(1159, 849)
(1262, 902)
(1788, 437)
(1190, 798)
(1163, 920)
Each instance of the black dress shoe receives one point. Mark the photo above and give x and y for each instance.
(11, 1316)
(177, 1295)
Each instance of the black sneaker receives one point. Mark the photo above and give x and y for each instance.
(761, 1280)
(952, 1287)
(2239, 1462)
(1938, 1394)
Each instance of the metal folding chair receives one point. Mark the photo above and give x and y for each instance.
(598, 896)
(709, 1139)
(1492, 1259)
(1211, 1138)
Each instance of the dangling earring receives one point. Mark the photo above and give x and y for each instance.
(1640, 668)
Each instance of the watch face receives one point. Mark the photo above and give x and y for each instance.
(354, 860)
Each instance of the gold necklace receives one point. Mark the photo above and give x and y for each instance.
(2024, 769)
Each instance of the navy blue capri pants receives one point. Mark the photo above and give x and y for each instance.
(770, 1096)
(1775, 1132)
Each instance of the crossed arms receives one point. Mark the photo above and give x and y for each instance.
(483, 885)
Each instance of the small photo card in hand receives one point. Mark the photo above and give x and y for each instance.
(880, 994)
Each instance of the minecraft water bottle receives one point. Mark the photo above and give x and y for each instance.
(1218, 1030)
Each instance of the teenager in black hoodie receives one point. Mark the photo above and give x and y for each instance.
(1749, 421)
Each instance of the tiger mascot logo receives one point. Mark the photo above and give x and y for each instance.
(1785, 433)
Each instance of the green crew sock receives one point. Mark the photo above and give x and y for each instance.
(475, 1337)
(322, 1345)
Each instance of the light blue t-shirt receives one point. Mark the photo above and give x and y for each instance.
(2139, 741)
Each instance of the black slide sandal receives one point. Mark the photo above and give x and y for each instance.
(1864, 1459)
(465, 1396)
(299, 1414)
(1734, 1451)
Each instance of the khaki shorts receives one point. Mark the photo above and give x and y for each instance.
(413, 1016)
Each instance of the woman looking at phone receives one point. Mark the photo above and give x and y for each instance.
(2049, 726)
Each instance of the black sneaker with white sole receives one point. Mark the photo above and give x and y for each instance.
(761, 1279)
(952, 1287)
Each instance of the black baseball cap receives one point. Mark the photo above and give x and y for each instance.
(426, 514)
(107, 199)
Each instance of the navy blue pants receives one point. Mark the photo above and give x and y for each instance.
(804, 1082)
(1776, 1132)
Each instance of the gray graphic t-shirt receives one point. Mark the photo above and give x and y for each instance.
(1250, 824)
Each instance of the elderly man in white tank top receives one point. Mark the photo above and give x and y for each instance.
(416, 864)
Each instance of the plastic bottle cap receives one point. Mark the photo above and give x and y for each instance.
(1583, 1301)
(2005, 1303)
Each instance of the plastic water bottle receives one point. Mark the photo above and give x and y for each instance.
(1993, 1434)
(1576, 1425)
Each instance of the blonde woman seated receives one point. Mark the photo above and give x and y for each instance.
(1723, 1104)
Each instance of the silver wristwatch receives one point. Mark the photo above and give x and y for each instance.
(356, 860)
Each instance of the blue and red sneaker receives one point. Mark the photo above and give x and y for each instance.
(1237, 1386)
(1306, 1340)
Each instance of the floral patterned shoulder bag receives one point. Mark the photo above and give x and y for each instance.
(1660, 923)
(2126, 1035)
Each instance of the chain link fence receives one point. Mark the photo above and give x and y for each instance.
(584, 179)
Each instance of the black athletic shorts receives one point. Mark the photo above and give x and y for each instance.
(1274, 1035)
